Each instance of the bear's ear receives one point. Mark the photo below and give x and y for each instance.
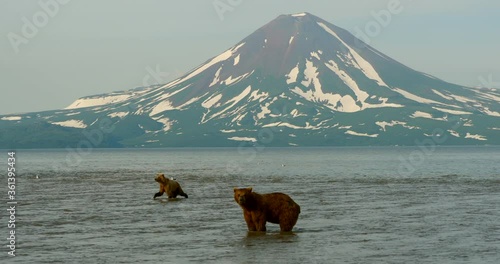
(235, 189)
(249, 189)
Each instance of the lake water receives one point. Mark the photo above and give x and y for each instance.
(358, 205)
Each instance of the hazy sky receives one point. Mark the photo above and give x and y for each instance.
(53, 53)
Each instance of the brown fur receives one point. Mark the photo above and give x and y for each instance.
(171, 187)
(276, 208)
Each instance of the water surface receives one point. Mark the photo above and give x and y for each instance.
(359, 205)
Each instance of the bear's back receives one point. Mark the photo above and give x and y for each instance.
(277, 204)
(172, 187)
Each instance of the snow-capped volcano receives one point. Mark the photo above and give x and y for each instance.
(298, 80)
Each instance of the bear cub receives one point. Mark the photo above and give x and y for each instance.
(170, 186)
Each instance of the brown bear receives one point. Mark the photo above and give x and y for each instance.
(276, 208)
(170, 186)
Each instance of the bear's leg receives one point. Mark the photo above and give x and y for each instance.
(286, 226)
(259, 220)
(160, 192)
(171, 194)
(157, 194)
(248, 219)
(182, 193)
(288, 220)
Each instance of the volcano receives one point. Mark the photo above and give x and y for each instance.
(297, 81)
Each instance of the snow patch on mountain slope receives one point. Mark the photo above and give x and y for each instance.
(222, 57)
(453, 112)
(442, 95)
(248, 139)
(162, 107)
(264, 110)
(383, 103)
(291, 39)
(467, 123)
(211, 101)
(477, 104)
(165, 95)
(361, 95)
(285, 124)
(487, 111)
(238, 118)
(12, 118)
(361, 63)
(292, 76)
(255, 95)
(118, 114)
(308, 95)
(95, 121)
(296, 113)
(454, 133)
(315, 55)
(216, 78)
(462, 99)
(350, 132)
(161, 103)
(98, 101)
(236, 60)
(299, 15)
(420, 114)
(348, 105)
(71, 123)
(167, 123)
(232, 80)
(330, 100)
(415, 98)
(475, 136)
(190, 101)
(311, 76)
(383, 124)
(232, 103)
(486, 95)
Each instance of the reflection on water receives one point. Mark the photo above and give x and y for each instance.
(354, 208)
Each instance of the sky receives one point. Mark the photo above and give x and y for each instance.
(54, 51)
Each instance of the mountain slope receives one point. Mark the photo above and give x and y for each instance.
(296, 81)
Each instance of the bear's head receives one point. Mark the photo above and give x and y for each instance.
(242, 195)
(160, 178)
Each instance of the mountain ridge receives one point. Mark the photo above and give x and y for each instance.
(301, 80)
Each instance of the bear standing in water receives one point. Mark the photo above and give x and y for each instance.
(276, 208)
(170, 186)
